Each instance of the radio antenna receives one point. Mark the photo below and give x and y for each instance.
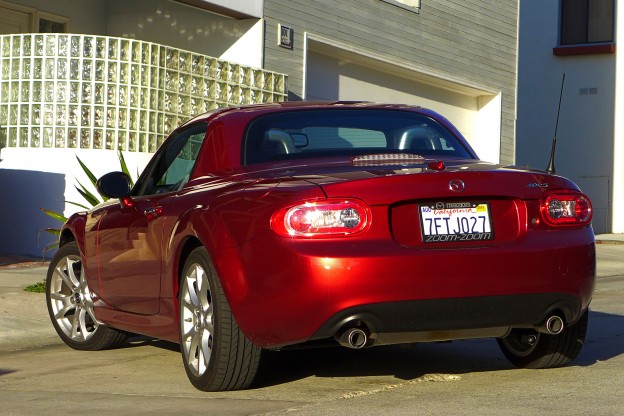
(551, 163)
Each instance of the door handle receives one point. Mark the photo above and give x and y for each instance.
(153, 212)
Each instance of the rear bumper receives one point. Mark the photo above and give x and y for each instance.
(299, 291)
(447, 319)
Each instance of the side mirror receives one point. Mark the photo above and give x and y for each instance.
(114, 185)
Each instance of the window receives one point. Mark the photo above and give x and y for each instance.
(341, 138)
(586, 21)
(50, 26)
(15, 18)
(412, 5)
(51, 23)
(173, 165)
(322, 133)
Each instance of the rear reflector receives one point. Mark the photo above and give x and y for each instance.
(561, 209)
(324, 218)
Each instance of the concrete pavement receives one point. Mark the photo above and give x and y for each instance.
(24, 321)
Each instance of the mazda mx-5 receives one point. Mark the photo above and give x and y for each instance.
(304, 224)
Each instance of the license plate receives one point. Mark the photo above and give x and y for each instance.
(455, 221)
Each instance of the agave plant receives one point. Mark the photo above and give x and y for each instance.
(91, 198)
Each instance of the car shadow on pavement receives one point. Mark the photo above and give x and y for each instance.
(405, 362)
(134, 341)
(605, 340)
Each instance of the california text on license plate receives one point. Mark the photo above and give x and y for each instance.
(455, 221)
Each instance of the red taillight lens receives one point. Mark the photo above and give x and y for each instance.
(566, 209)
(437, 165)
(325, 218)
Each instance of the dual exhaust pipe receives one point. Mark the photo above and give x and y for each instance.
(358, 338)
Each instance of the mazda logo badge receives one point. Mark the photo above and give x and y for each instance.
(456, 185)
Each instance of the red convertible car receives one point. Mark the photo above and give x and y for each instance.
(307, 224)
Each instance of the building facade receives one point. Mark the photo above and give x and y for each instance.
(93, 77)
(578, 39)
(456, 57)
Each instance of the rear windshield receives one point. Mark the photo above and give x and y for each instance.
(316, 133)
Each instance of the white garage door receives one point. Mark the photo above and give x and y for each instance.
(336, 74)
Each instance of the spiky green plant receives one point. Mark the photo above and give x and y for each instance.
(90, 197)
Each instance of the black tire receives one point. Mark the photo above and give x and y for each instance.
(527, 348)
(216, 354)
(70, 304)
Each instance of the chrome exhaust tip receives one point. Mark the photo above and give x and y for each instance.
(554, 325)
(354, 338)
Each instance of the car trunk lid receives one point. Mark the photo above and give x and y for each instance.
(465, 202)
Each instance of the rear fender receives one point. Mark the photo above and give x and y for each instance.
(226, 223)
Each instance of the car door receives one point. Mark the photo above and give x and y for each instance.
(124, 238)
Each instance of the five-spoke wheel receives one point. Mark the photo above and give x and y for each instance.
(70, 304)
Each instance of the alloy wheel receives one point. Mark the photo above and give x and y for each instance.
(71, 300)
(197, 319)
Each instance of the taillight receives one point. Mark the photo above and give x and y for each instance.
(324, 218)
(566, 209)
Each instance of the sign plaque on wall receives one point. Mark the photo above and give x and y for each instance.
(285, 36)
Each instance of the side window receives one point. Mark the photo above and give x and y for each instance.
(174, 164)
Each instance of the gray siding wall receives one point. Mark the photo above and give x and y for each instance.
(474, 41)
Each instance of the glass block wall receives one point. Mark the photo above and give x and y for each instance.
(99, 92)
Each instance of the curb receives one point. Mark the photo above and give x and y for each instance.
(611, 242)
(21, 262)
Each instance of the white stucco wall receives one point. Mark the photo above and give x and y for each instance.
(31, 179)
(166, 22)
(247, 50)
(585, 135)
(185, 27)
(618, 147)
